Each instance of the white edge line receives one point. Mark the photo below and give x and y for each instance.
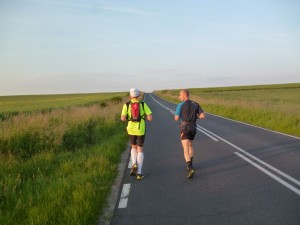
(284, 183)
(246, 153)
(130, 163)
(124, 196)
(173, 112)
(207, 134)
(257, 159)
(277, 132)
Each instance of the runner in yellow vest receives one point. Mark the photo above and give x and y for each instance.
(136, 131)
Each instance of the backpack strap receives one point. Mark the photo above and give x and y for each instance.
(127, 104)
(143, 116)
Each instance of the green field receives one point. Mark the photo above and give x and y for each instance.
(59, 156)
(59, 153)
(275, 107)
(12, 105)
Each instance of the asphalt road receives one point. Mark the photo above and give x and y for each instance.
(245, 175)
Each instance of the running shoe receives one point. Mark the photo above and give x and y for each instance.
(140, 176)
(133, 170)
(191, 173)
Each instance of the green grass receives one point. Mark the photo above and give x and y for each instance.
(275, 107)
(65, 188)
(57, 165)
(14, 105)
(59, 153)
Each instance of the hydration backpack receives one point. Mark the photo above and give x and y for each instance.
(135, 111)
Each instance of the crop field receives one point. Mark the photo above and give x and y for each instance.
(59, 156)
(276, 107)
(12, 105)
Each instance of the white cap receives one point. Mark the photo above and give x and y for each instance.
(134, 92)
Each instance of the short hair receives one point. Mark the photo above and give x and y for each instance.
(186, 92)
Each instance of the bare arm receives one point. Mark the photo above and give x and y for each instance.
(123, 118)
(201, 116)
(149, 117)
(176, 118)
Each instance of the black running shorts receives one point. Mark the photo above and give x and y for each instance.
(189, 133)
(137, 140)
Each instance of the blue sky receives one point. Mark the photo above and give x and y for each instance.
(80, 46)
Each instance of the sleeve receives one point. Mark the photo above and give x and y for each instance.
(124, 110)
(200, 110)
(147, 109)
(178, 109)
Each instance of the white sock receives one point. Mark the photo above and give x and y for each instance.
(140, 160)
(133, 156)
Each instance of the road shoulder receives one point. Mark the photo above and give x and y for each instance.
(112, 199)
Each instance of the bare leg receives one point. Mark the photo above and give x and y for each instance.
(191, 149)
(186, 149)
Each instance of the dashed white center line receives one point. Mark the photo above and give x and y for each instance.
(215, 137)
(129, 163)
(281, 181)
(124, 196)
(173, 112)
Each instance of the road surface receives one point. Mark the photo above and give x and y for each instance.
(245, 175)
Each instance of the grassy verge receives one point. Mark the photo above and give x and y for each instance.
(57, 166)
(64, 188)
(275, 107)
